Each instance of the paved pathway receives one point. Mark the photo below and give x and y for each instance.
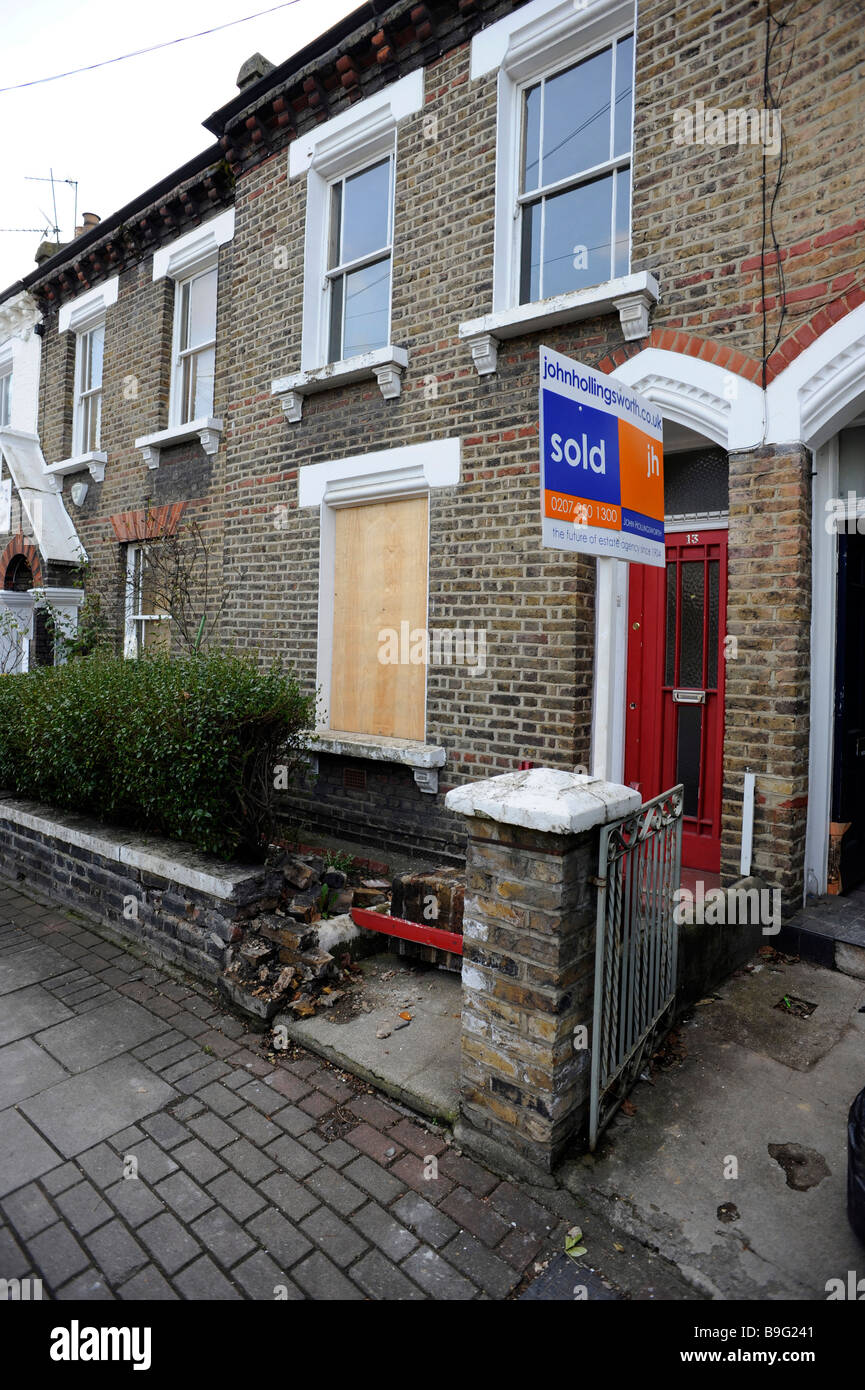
(255, 1179)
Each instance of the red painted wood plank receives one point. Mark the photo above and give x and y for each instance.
(407, 931)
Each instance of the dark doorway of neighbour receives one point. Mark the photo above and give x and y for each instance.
(848, 772)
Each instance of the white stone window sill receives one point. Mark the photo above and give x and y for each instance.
(423, 758)
(633, 296)
(94, 462)
(207, 429)
(385, 364)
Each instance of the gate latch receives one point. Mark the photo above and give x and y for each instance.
(689, 697)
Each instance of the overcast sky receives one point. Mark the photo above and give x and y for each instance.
(121, 128)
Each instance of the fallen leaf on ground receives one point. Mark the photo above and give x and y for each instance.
(628, 1107)
(573, 1243)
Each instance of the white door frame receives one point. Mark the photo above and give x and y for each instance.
(824, 571)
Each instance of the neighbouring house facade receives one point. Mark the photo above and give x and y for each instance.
(320, 340)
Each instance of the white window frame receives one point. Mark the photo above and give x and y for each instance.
(5, 390)
(377, 257)
(612, 165)
(538, 40)
(81, 316)
(183, 259)
(345, 145)
(178, 414)
(132, 614)
(81, 394)
(413, 470)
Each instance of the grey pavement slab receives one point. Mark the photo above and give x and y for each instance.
(29, 967)
(83, 1042)
(80, 1111)
(24, 1070)
(749, 1015)
(299, 1206)
(24, 1154)
(28, 1010)
(690, 1173)
(418, 1064)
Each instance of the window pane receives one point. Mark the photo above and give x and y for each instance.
(670, 645)
(696, 481)
(198, 384)
(5, 398)
(96, 342)
(157, 636)
(366, 219)
(91, 421)
(531, 139)
(147, 590)
(577, 237)
(577, 118)
(691, 654)
(200, 325)
(530, 254)
(622, 262)
(335, 231)
(151, 585)
(714, 577)
(337, 289)
(367, 306)
(624, 96)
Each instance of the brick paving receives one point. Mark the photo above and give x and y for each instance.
(255, 1179)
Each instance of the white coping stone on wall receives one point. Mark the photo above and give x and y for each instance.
(168, 859)
(558, 803)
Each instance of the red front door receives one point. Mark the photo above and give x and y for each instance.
(674, 730)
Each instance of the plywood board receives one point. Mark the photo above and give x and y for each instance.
(380, 584)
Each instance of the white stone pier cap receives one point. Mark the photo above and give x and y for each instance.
(544, 799)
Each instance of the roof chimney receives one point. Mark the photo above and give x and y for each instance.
(46, 249)
(89, 220)
(255, 67)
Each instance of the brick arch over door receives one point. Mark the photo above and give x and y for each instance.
(19, 546)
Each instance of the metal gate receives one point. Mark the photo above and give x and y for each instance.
(635, 953)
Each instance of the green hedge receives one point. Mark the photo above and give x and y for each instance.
(188, 748)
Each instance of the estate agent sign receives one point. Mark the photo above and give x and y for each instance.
(602, 465)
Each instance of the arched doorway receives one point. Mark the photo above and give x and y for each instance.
(19, 575)
(26, 639)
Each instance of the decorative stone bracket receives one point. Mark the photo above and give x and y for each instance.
(632, 296)
(94, 462)
(208, 430)
(385, 365)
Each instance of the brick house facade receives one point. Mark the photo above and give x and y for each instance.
(738, 307)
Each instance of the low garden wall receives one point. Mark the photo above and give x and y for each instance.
(185, 907)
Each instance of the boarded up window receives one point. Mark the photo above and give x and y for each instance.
(380, 585)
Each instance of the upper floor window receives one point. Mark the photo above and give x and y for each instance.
(194, 348)
(574, 188)
(87, 407)
(5, 398)
(359, 261)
